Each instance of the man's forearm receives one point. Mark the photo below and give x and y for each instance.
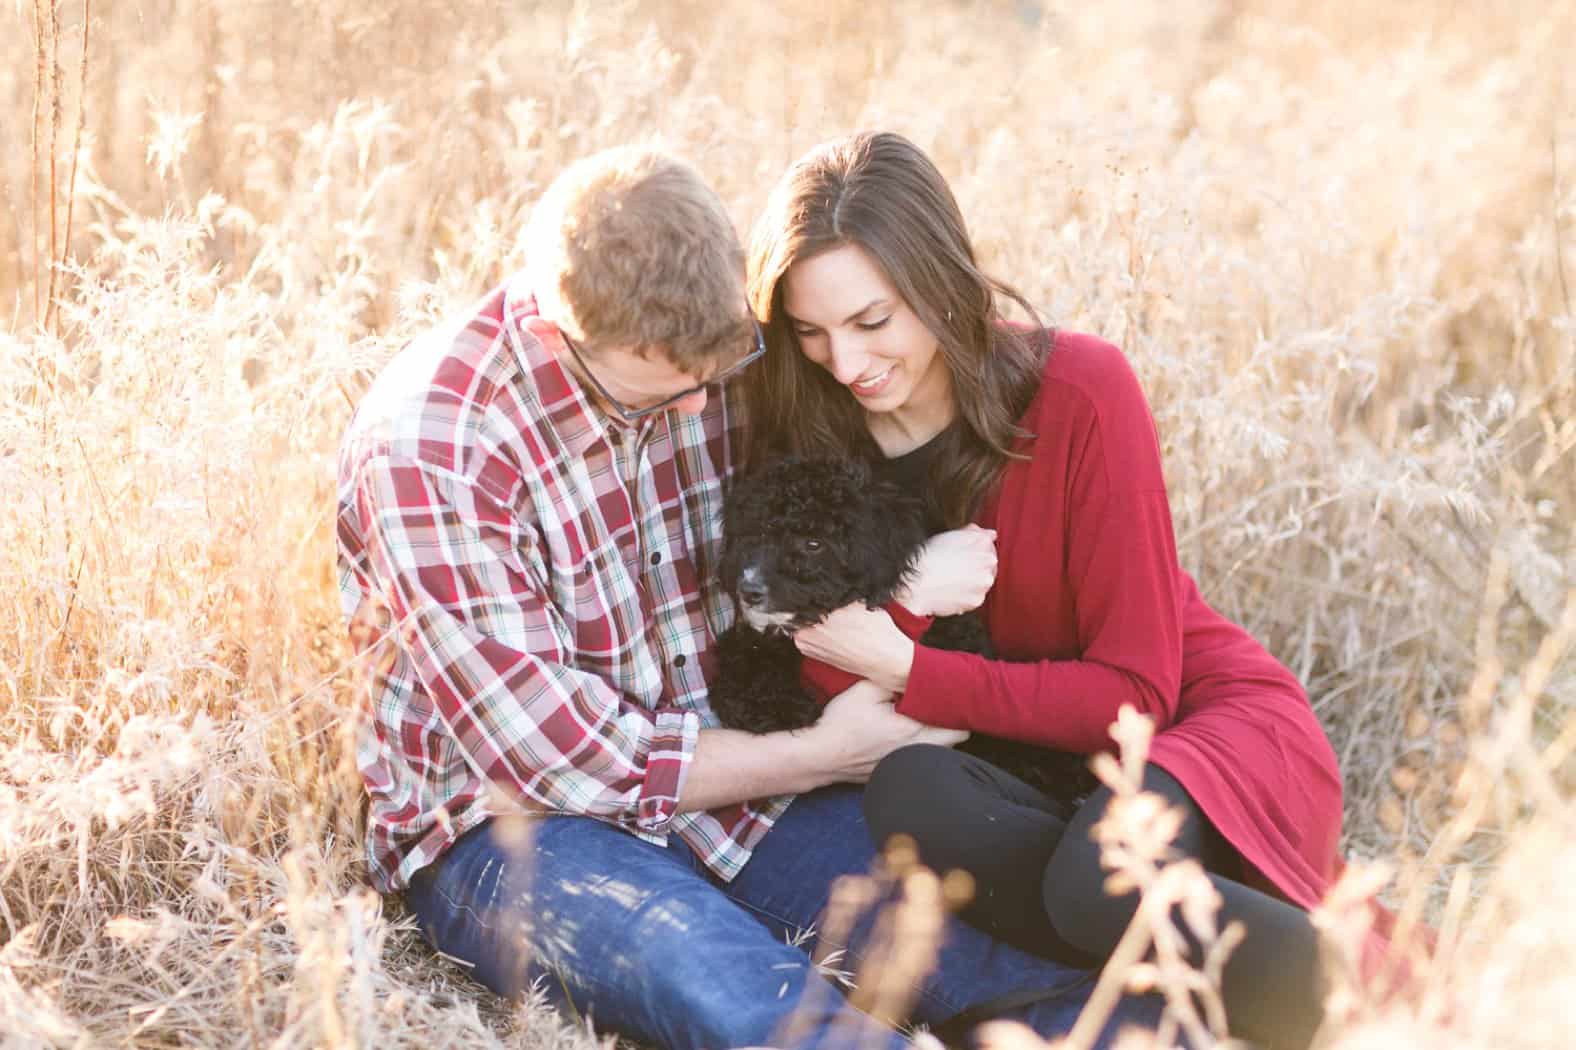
(732, 766)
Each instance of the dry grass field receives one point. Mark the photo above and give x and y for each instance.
(1336, 239)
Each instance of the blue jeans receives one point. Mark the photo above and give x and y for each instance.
(644, 941)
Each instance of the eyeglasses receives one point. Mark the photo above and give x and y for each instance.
(630, 415)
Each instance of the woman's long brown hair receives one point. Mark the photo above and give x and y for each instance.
(880, 192)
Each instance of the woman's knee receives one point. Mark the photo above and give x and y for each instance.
(911, 791)
(1073, 889)
(1076, 901)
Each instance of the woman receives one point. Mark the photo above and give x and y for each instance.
(886, 342)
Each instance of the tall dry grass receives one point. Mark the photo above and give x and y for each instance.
(1335, 239)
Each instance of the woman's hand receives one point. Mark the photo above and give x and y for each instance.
(954, 572)
(861, 641)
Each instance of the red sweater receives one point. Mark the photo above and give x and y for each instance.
(1091, 610)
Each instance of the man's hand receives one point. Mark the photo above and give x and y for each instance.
(860, 727)
(954, 572)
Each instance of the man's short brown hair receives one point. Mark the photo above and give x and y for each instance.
(629, 247)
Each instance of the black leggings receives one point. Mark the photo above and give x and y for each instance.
(1039, 885)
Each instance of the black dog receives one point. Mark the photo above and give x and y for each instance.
(804, 537)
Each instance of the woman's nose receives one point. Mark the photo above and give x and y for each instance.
(847, 361)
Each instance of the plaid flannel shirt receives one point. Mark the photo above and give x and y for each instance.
(547, 575)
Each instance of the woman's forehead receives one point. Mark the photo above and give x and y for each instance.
(834, 286)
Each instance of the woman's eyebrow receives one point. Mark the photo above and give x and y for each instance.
(871, 305)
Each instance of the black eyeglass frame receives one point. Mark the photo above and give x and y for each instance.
(631, 415)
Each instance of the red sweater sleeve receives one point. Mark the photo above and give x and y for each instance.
(1121, 564)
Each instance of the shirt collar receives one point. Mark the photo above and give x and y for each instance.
(566, 404)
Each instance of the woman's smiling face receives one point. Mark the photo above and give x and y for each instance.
(850, 320)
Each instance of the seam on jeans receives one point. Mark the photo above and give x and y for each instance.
(779, 919)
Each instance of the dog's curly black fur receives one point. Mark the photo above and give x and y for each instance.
(804, 537)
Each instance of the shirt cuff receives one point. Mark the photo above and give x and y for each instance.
(938, 687)
(909, 622)
(673, 739)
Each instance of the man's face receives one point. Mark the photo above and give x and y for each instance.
(629, 384)
(639, 381)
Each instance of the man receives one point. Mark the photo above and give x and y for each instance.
(532, 495)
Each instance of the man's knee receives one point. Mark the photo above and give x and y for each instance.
(692, 969)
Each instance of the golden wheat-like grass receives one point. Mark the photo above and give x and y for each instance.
(1334, 237)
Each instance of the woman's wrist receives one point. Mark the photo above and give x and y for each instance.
(911, 597)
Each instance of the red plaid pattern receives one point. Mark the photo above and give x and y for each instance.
(547, 574)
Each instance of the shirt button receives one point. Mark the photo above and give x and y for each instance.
(678, 661)
(656, 559)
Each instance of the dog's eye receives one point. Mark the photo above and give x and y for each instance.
(811, 546)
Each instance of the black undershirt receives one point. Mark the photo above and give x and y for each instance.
(911, 469)
(911, 473)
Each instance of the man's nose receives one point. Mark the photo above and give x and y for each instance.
(692, 404)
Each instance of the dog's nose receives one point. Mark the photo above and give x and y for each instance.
(752, 587)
